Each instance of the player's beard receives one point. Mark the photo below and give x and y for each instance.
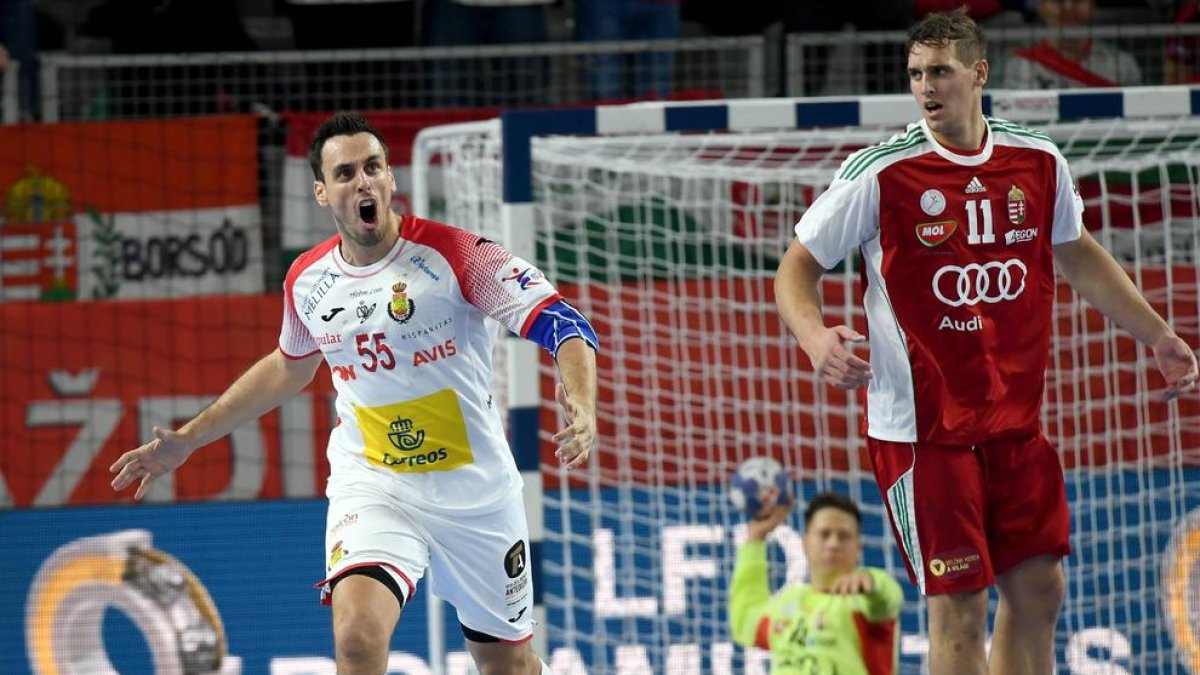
(365, 237)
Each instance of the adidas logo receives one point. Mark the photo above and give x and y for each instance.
(975, 186)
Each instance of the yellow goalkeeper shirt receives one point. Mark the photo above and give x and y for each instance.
(810, 632)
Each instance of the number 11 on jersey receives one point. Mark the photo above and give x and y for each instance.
(973, 235)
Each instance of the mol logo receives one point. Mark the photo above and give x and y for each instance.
(933, 234)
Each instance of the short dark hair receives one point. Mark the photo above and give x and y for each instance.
(831, 500)
(957, 29)
(340, 124)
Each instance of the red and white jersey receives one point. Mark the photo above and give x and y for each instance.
(409, 342)
(958, 276)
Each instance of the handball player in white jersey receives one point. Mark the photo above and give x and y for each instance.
(421, 474)
(962, 221)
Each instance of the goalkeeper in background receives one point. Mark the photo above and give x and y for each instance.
(843, 621)
(963, 221)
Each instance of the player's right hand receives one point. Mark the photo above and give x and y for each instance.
(835, 362)
(760, 527)
(157, 458)
(1177, 363)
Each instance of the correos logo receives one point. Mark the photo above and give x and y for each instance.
(991, 282)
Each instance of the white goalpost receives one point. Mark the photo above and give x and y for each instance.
(664, 223)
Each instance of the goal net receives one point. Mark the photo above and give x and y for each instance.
(669, 243)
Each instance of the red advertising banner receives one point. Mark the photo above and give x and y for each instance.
(83, 382)
(132, 209)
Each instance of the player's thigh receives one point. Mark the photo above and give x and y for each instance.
(936, 501)
(480, 565)
(366, 528)
(1027, 502)
(959, 617)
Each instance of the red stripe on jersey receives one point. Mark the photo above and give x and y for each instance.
(306, 260)
(878, 642)
(533, 315)
(474, 259)
(762, 637)
(300, 357)
(295, 330)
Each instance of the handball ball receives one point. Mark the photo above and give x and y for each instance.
(759, 484)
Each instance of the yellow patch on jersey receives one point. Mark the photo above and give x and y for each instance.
(418, 436)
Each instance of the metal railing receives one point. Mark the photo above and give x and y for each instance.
(77, 87)
(10, 100)
(872, 62)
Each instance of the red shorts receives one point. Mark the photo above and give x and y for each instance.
(964, 514)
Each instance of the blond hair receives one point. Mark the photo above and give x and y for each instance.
(955, 29)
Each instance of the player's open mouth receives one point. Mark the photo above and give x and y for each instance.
(932, 107)
(368, 211)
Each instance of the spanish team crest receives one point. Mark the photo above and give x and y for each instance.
(1016, 206)
(336, 553)
(401, 307)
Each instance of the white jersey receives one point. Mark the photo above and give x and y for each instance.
(409, 344)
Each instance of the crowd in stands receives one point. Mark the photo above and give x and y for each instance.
(28, 27)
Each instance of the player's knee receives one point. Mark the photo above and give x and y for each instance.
(361, 641)
(1035, 594)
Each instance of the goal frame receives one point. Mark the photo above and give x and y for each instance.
(517, 129)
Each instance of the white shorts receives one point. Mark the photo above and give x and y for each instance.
(479, 563)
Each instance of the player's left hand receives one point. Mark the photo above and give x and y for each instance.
(1177, 363)
(852, 583)
(576, 440)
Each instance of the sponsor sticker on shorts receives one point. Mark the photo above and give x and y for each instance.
(418, 436)
(955, 564)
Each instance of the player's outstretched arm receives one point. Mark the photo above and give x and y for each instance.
(799, 303)
(576, 394)
(750, 587)
(268, 383)
(1096, 276)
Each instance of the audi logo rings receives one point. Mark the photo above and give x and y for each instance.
(972, 284)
